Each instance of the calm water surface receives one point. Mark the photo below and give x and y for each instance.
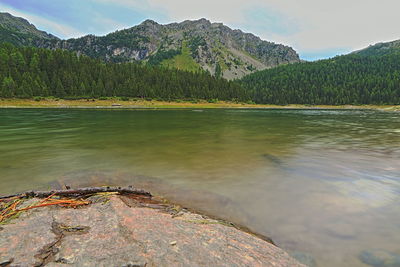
(323, 184)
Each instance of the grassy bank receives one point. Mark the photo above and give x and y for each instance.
(118, 103)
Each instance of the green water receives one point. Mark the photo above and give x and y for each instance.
(320, 183)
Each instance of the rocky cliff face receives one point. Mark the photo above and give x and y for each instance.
(189, 45)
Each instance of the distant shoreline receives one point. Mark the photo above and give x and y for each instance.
(154, 104)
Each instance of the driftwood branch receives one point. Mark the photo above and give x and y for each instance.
(81, 192)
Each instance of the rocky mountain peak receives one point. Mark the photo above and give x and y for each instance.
(202, 21)
(149, 22)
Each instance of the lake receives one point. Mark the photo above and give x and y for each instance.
(323, 184)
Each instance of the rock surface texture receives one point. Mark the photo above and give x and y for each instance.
(123, 231)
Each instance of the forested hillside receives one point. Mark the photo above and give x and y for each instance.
(350, 79)
(28, 72)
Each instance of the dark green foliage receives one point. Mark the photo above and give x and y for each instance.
(380, 49)
(156, 59)
(33, 72)
(251, 68)
(218, 70)
(12, 37)
(351, 79)
(20, 32)
(8, 87)
(102, 45)
(124, 38)
(195, 43)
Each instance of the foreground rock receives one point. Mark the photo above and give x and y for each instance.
(130, 231)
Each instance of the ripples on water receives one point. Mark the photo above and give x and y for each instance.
(324, 184)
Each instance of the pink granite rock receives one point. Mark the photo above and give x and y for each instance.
(126, 232)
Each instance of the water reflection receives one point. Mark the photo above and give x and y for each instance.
(323, 184)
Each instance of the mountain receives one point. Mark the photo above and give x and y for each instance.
(20, 32)
(349, 79)
(380, 49)
(189, 45)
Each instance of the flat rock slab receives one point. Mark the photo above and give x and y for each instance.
(120, 232)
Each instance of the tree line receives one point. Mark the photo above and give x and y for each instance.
(350, 79)
(26, 72)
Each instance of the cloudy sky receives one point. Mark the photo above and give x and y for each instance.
(315, 28)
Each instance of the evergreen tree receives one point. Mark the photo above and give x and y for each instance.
(8, 87)
(59, 89)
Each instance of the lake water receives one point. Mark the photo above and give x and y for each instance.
(323, 184)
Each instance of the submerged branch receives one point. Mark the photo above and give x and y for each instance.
(79, 192)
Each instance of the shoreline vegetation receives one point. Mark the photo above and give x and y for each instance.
(123, 103)
(31, 73)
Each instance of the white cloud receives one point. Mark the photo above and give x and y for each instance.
(60, 30)
(322, 24)
(227, 11)
(108, 25)
(318, 25)
(341, 23)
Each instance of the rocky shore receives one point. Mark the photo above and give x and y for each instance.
(129, 230)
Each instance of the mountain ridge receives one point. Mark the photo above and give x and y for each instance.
(189, 45)
(20, 31)
(380, 49)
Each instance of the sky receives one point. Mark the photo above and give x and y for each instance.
(316, 29)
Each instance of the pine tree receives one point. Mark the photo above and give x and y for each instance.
(59, 89)
(8, 87)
